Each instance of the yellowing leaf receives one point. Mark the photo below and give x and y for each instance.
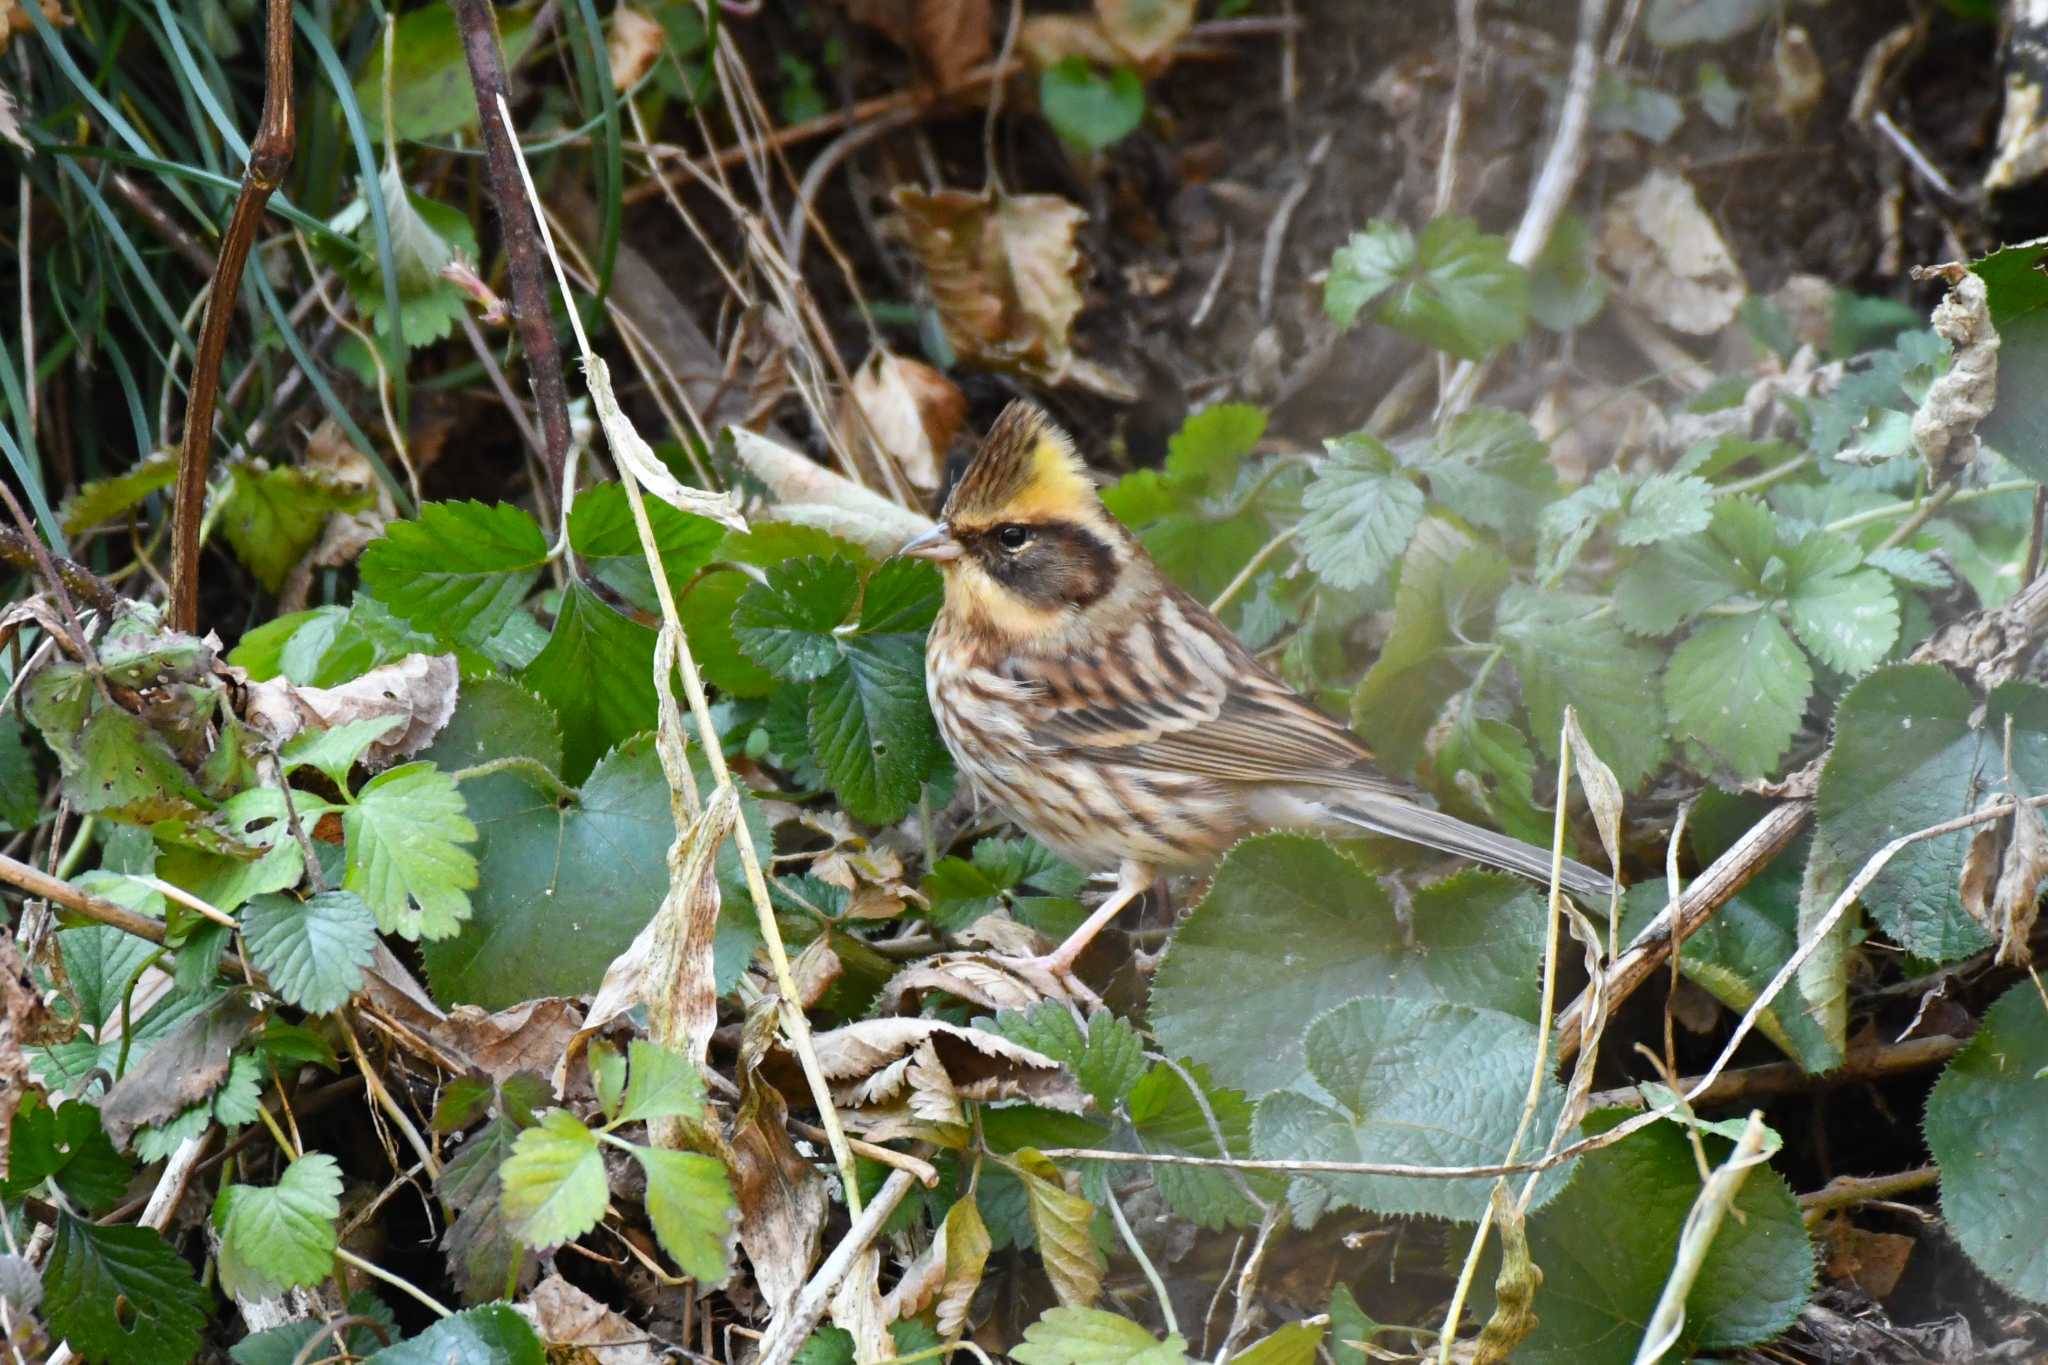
(1145, 29)
(1061, 1218)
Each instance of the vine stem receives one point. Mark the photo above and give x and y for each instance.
(796, 1028)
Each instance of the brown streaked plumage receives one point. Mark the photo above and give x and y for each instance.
(1112, 715)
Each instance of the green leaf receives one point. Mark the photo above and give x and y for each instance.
(65, 1144)
(786, 624)
(314, 951)
(281, 1345)
(871, 728)
(707, 613)
(335, 752)
(1984, 1123)
(1087, 109)
(1061, 1220)
(483, 1253)
(1677, 581)
(492, 1334)
(554, 1181)
(1296, 1343)
(602, 532)
(430, 93)
(1455, 289)
(460, 571)
(1359, 513)
(21, 790)
(101, 500)
(1907, 756)
(1604, 1273)
(1566, 653)
(1350, 1327)
(1915, 568)
(1166, 1118)
(1413, 1082)
(901, 598)
(1490, 468)
(2018, 297)
(1739, 687)
(120, 1295)
(1665, 506)
(1848, 617)
(1291, 927)
(1205, 453)
(273, 515)
(691, 1204)
(562, 889)
(1089, 1336)
(1107, 1060)
(1565, 291)
(597, 672)
(280, 1236)
(426, 238)
(406, 858)
(663, 1084)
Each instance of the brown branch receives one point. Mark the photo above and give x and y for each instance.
(270, 156)
(525, 264)
(1847, 1191)
(1773, 1080)
(39, 883)
(20, 550)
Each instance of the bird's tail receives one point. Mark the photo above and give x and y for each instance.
(1399, 819)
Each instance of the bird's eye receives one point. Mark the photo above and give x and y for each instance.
(1013, 537)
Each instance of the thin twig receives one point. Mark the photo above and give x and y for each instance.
(787, 1334)
(519, 226)
(20, 550)
(1248, 1279)
(270, 156)
(1847, 1191)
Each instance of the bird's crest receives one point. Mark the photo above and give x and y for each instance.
(1026, 470)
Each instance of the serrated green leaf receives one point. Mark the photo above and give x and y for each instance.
(65, 1144)
(1291, 927)
(1603, 1274)
(691, 1205)
(562, 889)
(1567, 653)
(1916, 568)
(21, 790)
(1414, 1082)
(1665, 506)
(460, 570)
(1107, 1060)
(1906, 756)
(273, 515)
(240, 1096)
(1453, 289)
(871, 728)
(901, 598)
(1984, 1123)
(1739, 687)
(663, 1084)
(554, 1183)
(1088, 109)
(406, 858)
(1089, 1336)
(336, 751)
(1675, 582)
(426, 237)
(120, 1295)
(707, 612)
(1061, 1221)
(483, 1253)
(1166, 1118)
(786, 624)
(1849, 620)
(603, 534)
(280, 1236)
(1350, 1327)
(1358, 515)
(597, 672)
(1296, 1343)
(1490, 467)
(314, 951)
(490, 1334)
(431, 94)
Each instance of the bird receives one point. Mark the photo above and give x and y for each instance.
(1113, 717)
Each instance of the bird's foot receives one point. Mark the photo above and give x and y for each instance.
(1052, 974)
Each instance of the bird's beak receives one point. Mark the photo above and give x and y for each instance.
(936, 545)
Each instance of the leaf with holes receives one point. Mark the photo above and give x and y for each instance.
(120, 1295)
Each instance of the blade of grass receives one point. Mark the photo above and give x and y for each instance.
(380, 221)
(594, 67)
(130, 256)
(196, 82)
(120, 157)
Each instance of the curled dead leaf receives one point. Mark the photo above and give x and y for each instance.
(989, 981)
(856, 1309)
(420, 688)
(929, 1066)
(186, 1067)
(952, 36)
(1798, 79)
(912, 410)
(634, 45)
(946, 1273)
(1145, 30)
(1672, 260)
(568, 1318)
(1945, 427)
(808, 494)
(1049, 39)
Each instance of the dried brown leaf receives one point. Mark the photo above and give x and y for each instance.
(530, 1036)
(187, 1066)
(634, 45)
(1798, 79)
(420, 688)
(1945, 427)
(1145, 30)
(990, 982)
(1671, 258)
(1049, 39)
(934, 1064)
(782, 1197)
(24, 1021)
(10, 121)
(807, 493)
(946, 1273)
(1062, 1220)
(569, 1319)
(680, 987)
(2016, 902)
(952, 36)
(913, 411)
(856, 1308)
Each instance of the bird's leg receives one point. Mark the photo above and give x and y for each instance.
(1132, 879)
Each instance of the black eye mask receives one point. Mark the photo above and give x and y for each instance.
(1062, 564)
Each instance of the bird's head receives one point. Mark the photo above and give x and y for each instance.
(1023, 540)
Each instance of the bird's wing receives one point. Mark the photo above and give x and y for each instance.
(1176, 690)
